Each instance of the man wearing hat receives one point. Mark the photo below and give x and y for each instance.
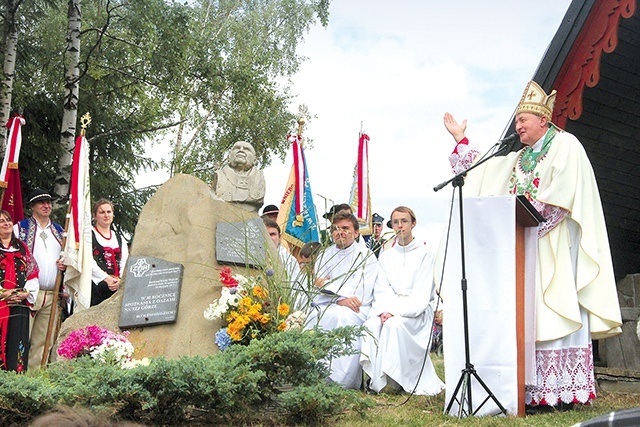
(376, 242)
(576, 298)
(271, 212)
(44, 239)
(335, 209)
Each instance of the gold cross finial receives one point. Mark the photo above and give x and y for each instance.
(531, 94)
(85, 120)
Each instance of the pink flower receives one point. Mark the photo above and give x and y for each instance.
(82, 341)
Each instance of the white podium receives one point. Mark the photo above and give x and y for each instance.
(500, 256)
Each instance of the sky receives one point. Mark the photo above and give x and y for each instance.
(392, 69)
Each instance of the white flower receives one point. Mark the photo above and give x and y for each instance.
(113, 350)
(130, 364)
(211, 313)
(222, 305)
(295, 320)
(242, 281)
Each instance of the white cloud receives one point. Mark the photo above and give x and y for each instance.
(396, 67)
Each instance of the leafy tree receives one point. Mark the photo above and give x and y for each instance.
(200, 74)
(234, 88)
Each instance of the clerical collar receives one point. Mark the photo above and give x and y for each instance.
(538, 145)
(413, 239)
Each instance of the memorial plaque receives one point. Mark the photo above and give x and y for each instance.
(152, 292)
(241, 243)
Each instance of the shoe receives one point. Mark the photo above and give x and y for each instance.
(538, 409)
(564, 407)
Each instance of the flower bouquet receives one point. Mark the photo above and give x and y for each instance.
(98, 343)
(251, 307)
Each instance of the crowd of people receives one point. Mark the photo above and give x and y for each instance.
(31, 269)
(386, 286)
(390, 292)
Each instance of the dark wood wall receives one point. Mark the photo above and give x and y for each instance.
(609, 129)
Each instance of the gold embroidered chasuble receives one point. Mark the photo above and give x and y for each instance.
(562, 177)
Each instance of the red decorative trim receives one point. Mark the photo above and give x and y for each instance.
(582, 66)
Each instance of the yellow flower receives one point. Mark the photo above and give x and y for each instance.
(245, 303)
(283, 309)
(282, 326)
(260, 292)
(255, 312)
(244, 320)
(265, 318)
(232, 316)
(234, 332)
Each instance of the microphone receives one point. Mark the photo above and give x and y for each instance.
(506, 144)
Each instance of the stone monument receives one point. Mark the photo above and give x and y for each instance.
(178, 225)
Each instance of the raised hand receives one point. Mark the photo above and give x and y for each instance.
(455, 129)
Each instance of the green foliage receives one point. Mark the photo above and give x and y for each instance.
(24, 396)
(312, 404)
(280, 379)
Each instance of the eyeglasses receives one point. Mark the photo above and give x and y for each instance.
(400, 221)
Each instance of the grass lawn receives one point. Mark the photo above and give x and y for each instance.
(422, 411)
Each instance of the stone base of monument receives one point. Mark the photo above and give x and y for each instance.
(177, 225)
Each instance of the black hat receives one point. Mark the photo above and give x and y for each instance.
(377, 219)
(270, 209)
(335, 209)
(38, 195)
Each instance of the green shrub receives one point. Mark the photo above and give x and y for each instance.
(278, 379)
(312, 404)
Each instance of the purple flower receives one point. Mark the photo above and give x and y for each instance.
(223, 340)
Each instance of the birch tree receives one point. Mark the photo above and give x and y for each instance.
(71, 95)
(9, 64)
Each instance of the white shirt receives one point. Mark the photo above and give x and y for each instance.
(97, 274)
(46, 251)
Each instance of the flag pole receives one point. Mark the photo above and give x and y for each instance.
(301, 122)
(56, 312)
(299, 218)
(295, 249)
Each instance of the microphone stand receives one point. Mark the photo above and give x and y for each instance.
(469, 371)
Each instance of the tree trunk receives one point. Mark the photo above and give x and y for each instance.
(71, 92)
(9, 67)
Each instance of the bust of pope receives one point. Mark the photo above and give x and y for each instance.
(240, 181)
